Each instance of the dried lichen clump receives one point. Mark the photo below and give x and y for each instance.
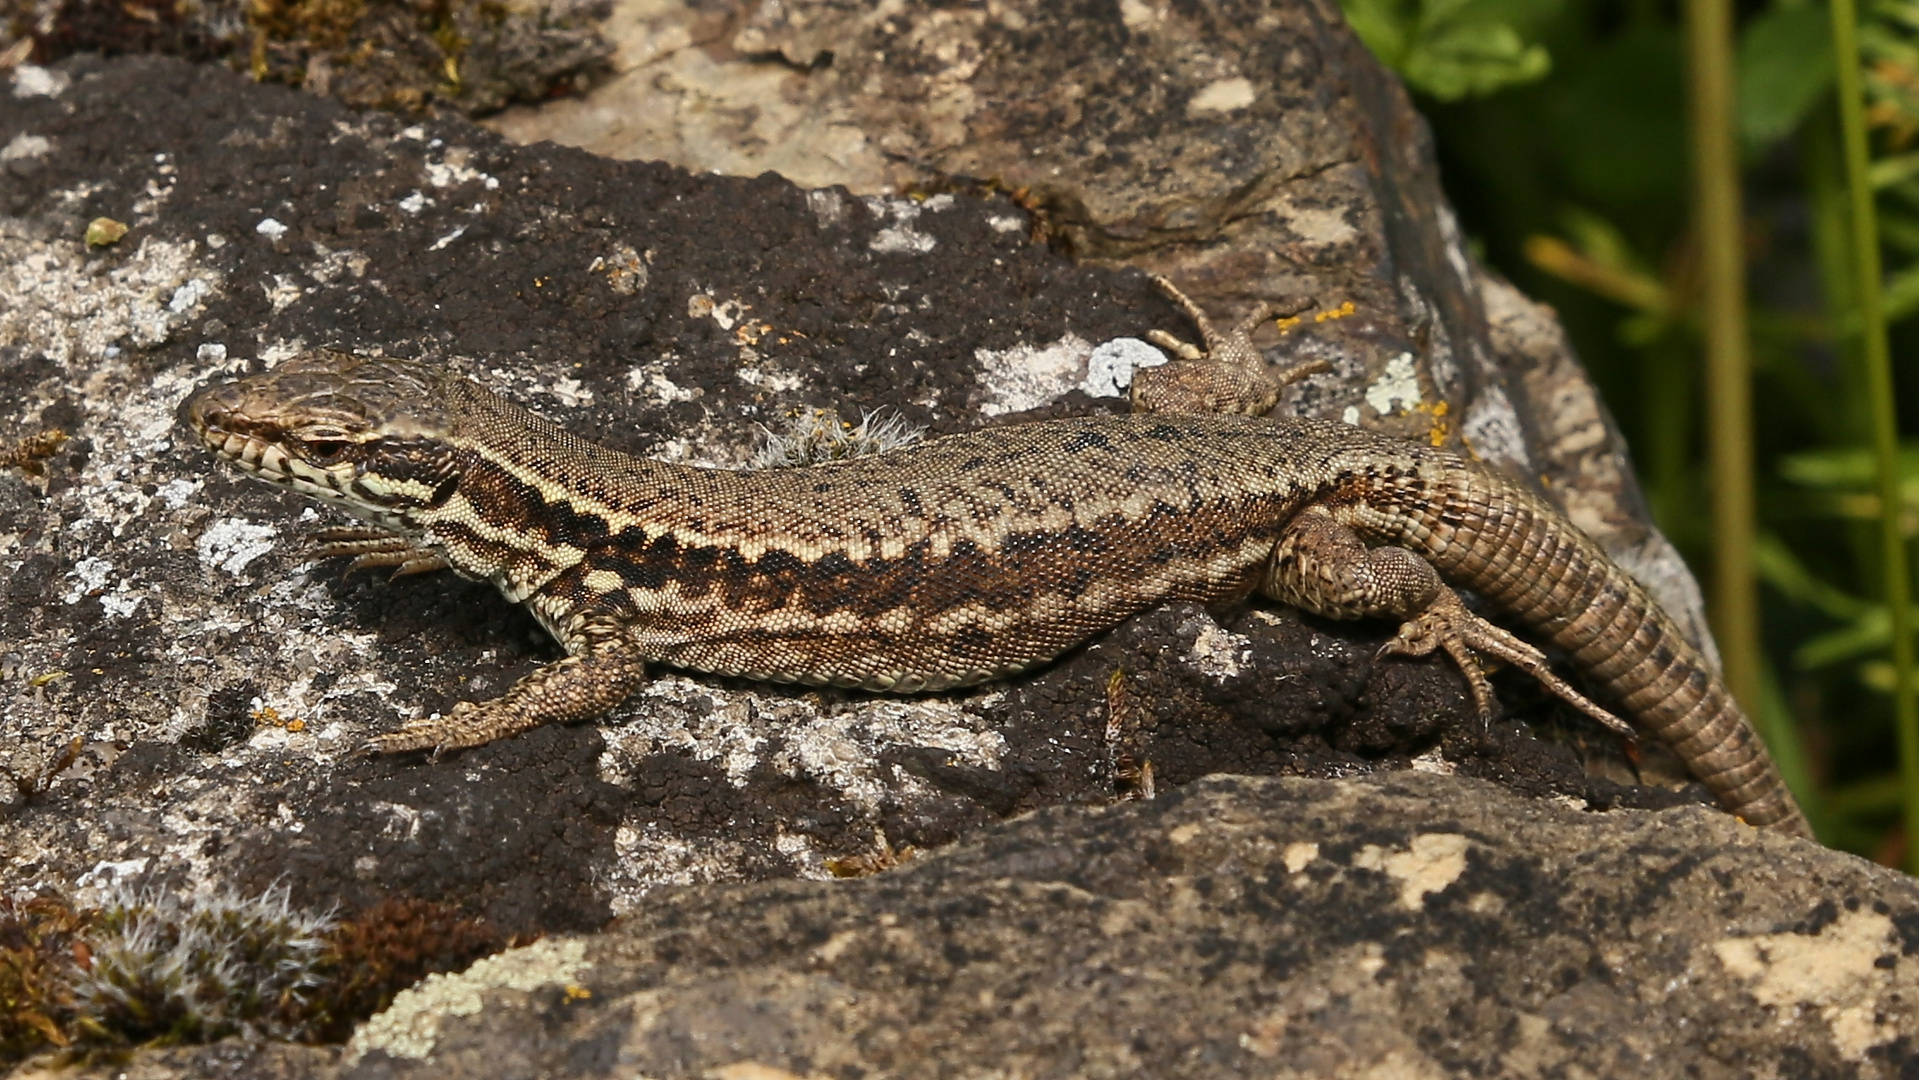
(815, 436)
(474, 55)
(28, 453)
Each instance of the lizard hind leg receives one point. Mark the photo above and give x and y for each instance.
(1323, 567)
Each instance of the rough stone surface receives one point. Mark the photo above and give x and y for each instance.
(471, 55)
(162, 611)
(179, 684)
(1404, 925)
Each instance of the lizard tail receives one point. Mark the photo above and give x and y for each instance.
(1499, 540)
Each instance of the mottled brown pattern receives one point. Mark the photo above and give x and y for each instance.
(969, 557)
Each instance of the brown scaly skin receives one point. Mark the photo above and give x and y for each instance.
(964, 558)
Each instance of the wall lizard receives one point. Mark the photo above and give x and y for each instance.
(969, 557)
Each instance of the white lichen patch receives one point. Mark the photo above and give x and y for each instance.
(1223, 95)
(88, 575)
(1217, 652)
(1430, 864)
(904, 237)
(1109, 371)
(32, 80)
(410, 1027)
(828, 208)
(229, 544)
(1299, 855)
(1834, 974)
(567, 391)
(454, 168)
(1028, 376)
(25, 146)
(647, 857)
(60, 306)
(777, 382)
(1492, 429)
(650, 381)
(1396, 388)
(837, 745)
(1320, 226)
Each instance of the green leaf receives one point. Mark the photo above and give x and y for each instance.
(1452, 49)
(1472, 60)
(1893, 170)
(1785, 63)
(1781, 569)
(1845, 468)
(1384, 25)
(1871, 632)
(1902, 294)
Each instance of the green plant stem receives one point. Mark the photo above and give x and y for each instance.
(1717, 216)
(1876, 351)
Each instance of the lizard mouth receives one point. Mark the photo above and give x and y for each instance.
(213, 415)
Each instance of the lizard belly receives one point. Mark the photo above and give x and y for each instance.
(952, 624)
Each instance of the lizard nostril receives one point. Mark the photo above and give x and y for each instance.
(209, 407)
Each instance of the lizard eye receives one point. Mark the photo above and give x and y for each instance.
(323, 447)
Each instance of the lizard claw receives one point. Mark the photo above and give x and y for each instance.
(1447, 625)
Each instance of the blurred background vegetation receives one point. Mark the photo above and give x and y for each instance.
(1566, 144)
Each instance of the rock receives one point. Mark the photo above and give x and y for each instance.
(1401, 925)
(466, 55)
(180, 685)
(162, 612)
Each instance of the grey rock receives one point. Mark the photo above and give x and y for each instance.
(163, 612)
(1405, 925)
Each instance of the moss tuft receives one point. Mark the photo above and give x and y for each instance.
(169, 971)
(39, 949)
(387, 948)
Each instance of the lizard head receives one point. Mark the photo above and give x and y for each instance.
(371, 434)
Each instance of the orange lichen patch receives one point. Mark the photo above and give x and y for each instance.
(1442, 428)
(751, 331)
(268, 716)
(1289, 322)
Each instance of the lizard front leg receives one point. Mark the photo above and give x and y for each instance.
(603, 670)
(370, 548)
(1225, 373)
(1323, 567)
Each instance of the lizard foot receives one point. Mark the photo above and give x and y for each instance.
(370, 548)
(1447, 625)
(584, 686)
(1226, 373)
